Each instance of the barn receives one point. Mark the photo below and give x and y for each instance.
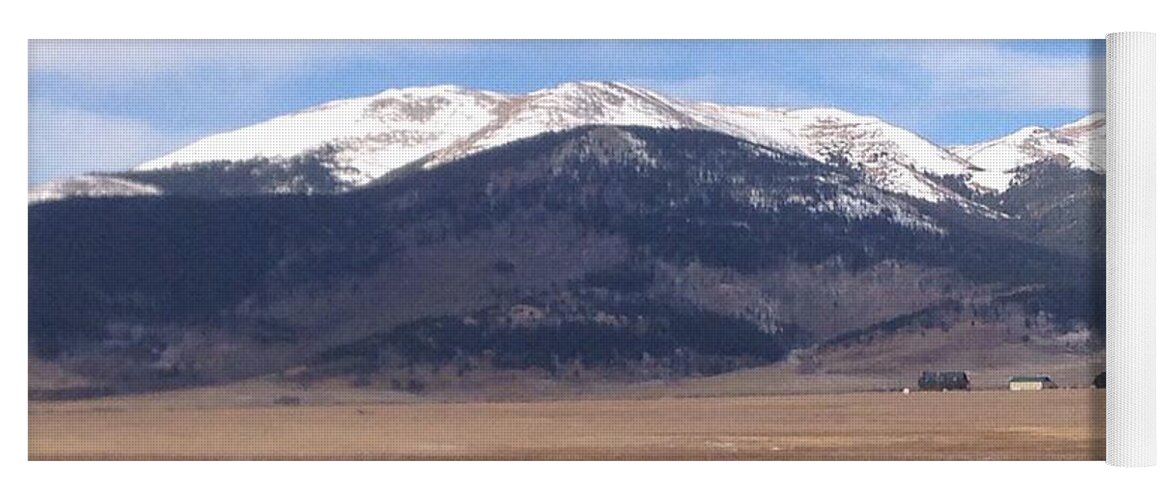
(1031, 383)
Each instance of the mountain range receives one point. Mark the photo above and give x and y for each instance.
(1003, 162)
(590, 227)
(353, 142)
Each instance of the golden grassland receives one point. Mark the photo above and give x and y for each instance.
(1063, 424)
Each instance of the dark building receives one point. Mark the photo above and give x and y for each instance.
(944, 381)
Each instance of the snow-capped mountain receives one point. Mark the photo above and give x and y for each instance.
(643, 222)
(372, 134)
(619, 246)
(1081, 144)
(433, 125)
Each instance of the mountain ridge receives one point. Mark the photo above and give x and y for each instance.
(370, 138)
(377, 134)
(1002, 161)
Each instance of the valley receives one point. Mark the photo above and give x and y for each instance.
(978, 425)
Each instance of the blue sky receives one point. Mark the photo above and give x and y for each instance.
(109, 105)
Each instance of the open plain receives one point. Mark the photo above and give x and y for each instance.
(1064, 424)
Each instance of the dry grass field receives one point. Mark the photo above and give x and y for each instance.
(1065, 424)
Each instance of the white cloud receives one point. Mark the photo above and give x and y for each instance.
(945, 76)
(120, 60)
(65, 142)
(982, 75)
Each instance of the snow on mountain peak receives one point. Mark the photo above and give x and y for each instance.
(433, 125)
(1081, 144)
(89, 186)
(1091, 121)
(372, 134)
(430, 90)
(896, 159)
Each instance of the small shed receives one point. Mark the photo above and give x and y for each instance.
(1031, 383)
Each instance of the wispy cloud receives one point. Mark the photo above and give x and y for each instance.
(983, 75)
(108, 61)
(65, 142)
(899, 76)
